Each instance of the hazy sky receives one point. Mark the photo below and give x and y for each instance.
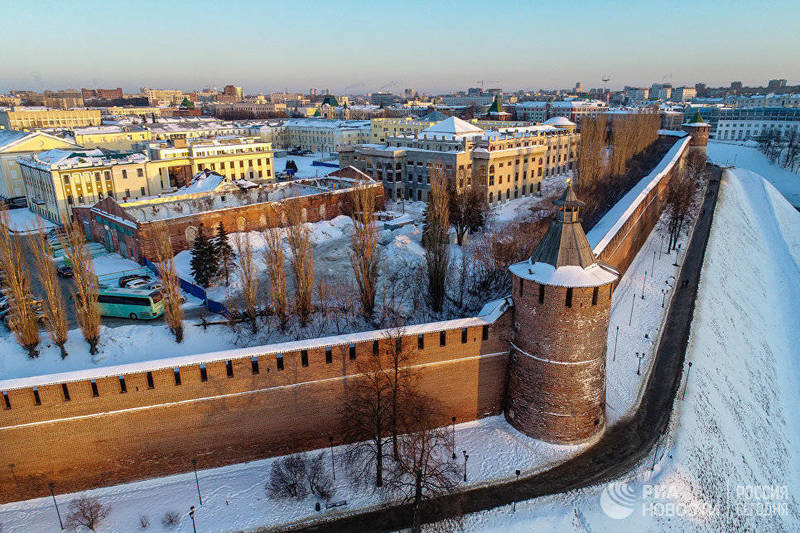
(431, 45)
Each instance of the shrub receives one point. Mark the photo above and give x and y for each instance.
(287, 478)
(319, 480)
(144, 521)
(171, 519)
(86, 512)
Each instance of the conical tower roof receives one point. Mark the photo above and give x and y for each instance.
(497, 107)
(698, 117)
(565, 243)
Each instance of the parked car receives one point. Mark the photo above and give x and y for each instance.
(138, 284)
(123, 281)
(65, 271)
(36, 305)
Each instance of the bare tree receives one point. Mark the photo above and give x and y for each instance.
(365, 253)
(302, 264)
(590, 166)
(467, 206)
(171, 519)
(85, 281)
(55, 311)
(399, 356)
(681, 195)
(436, 239)
(319, 480)
(423, 468)
(367, 415)
(86, 512)
(287, 477)
(22, 319)
(170, 282)
(249, 279)
(276, 266)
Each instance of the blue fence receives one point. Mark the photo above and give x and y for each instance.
(194, 290)
(324, 164)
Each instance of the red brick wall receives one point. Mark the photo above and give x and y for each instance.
(556, 385)
(90, 441)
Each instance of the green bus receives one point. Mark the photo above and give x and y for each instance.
(130, 303)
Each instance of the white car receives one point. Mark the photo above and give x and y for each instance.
(138, 284)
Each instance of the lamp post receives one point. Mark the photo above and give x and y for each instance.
(663, 297)
(333, 462)
(191, 515)
(616, 337)
(633, 303)
(514, 509)
(51, 485)
(643, 280)
(639, 356)
(454, 437)
(466, 457)
(687, 381)
(197, 481)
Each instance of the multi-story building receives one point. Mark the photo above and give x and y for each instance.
(637, 94)
(143, 111)
(9, 101)
(233, 91)
(506, 163)
(112, 137)
(14, 144)
(741, 124)
(321, 135)
(383, 128)
(383, 99)
(160, 97)
(572, 110)
(661, 91)
(102, 94)
(173, 163)
(62, 99)
(56, 180)
(32, 118)
(683, 94)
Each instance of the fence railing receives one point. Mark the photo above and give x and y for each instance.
(194, 290)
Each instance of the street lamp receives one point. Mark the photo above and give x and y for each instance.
(454, 437)
(191, 515)
(466, 457)
(51, 485)
(639, 356)
(514, 510)
(197, 481)
(333, 462)
(687, 381)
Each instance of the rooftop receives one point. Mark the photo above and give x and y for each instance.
(452, 127)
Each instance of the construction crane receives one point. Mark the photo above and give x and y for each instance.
(605, 78)
(483, 83)
(389, 85)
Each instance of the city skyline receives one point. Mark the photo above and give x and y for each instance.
(448, 46)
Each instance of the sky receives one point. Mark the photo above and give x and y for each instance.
(358, 47)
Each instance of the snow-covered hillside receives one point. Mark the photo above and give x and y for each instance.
(748, 157)
(738, 426)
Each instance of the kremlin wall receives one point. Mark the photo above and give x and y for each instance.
(538, 352)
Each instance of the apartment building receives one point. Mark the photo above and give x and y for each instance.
(741, 124)
(321, 135)
(162, 97)
(15, 144)
(683, 94)
(506, 163)
(572, 110)
(33, 118)
(384, 128)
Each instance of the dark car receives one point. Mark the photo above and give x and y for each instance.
(123, 281)
(65, 271)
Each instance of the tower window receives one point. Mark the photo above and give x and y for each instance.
(177, 372)
(304, 357)
(521, 287)
(569, 297)
(203, 373)
(65, 390)
(374, 347)
(595, 292)
(123, 388)
(541, 293)
(229, 368)
(254, 364)
(463, 335)
(150, 384)
(279, 360)
(36, 398)
(95, 392)
(442, 338)
(6, 400)
(352, 352)
(421, 342)
(485, 333)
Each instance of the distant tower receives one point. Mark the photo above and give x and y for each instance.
(699, 130)
(562, 304)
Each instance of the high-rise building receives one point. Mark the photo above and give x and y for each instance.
(776, 84)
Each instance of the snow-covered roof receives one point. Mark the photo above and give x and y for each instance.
(594, 275)
(11, 136)
(80, 158)
(202, 182)
(451, 127)
(559, 121)
(488, 315)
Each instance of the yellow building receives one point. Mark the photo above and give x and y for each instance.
(32, 118)
(14, 144)
(146, 111)
(385, 128)
(111, 137)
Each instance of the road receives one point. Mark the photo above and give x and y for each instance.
(620, 449)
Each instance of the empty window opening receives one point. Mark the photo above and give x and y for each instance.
(122, 386)
(352, 352)
(65, 390)
(541, 294)
(177, 372)
(6, 400)
(374, 347)
(229, 368)
(421, 342)
(328, 355)
(150, 383)
(36, 399)
(569, 297)
(279, 360)
(595, 292)
(485, 333)
(304, 357)
(95, 392)
(463, 335)
(254, 364)
(442, 338)
(203, 373)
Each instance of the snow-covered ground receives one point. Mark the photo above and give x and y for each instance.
(731, 459)
(234, 497)
(745, 155)
(24, 220)
(305, 168)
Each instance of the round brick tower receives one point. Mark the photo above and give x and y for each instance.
(562, 304)
(698, 129)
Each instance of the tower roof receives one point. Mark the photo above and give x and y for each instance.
(452, 127)
(434, 116)
(497, 107)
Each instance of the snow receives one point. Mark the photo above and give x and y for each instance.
(565, 276)
(201, 182)
(451, 128)
(787, 182)
(24, 220)
(305, 167)
(559, 121)
(737, 425)
(611, 223)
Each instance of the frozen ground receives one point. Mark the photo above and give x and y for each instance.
(24, 220)
(748, 157)
(737, 427)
